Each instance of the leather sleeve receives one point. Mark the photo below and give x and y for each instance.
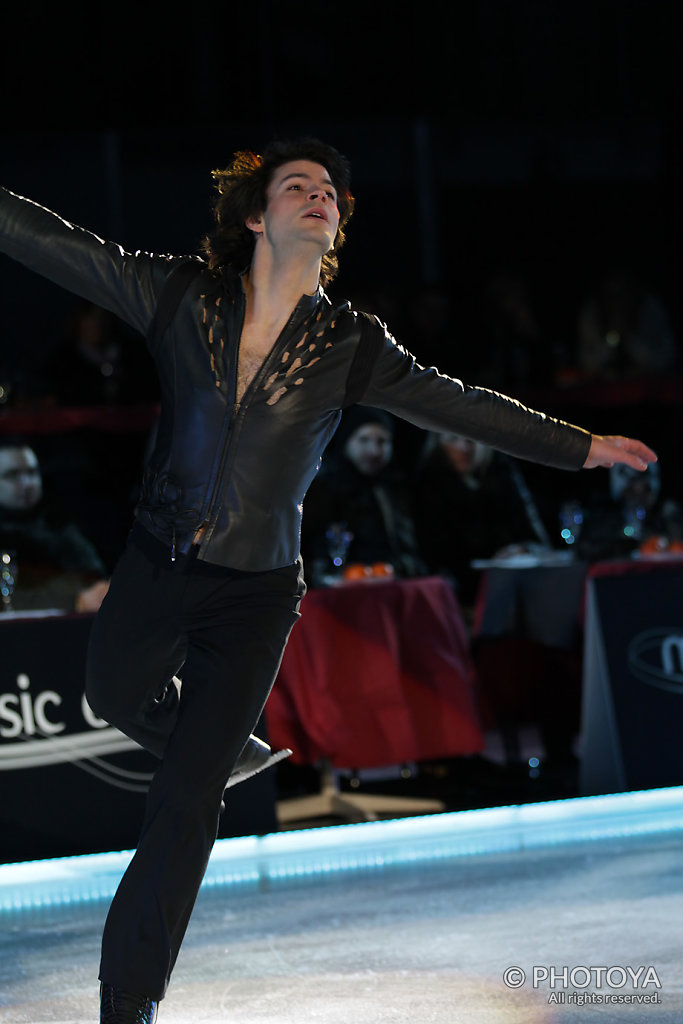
(102, 272)
(433, 401)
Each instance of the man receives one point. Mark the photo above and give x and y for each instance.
(472, 503)
(254, 368)
(362, 489)
(58, 567)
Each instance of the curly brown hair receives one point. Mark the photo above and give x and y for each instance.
(242, 188)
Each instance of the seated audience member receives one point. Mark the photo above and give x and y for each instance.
(362, 494)
(97, 363)
(472, 503)
(633, 516)
(624, 331)
(102, 364)
(57, 567)
(514, 348)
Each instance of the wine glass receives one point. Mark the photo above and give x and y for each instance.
(571, 521)
(338, 542)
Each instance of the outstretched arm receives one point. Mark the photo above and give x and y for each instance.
(127, 284)
(434, 401)
(605, 451)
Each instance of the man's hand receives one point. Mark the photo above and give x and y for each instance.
(605, 451)
(90, 599)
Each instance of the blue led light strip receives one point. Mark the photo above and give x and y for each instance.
(404, 841)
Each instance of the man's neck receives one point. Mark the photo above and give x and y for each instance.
(273, 291)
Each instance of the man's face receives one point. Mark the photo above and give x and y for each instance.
(369, 448)
(462, 453)
(21, 485)
(301, 206)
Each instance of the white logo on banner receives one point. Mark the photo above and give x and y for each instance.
(655, 657)
(32, 722)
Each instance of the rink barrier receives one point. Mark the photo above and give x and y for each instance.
(403, 842)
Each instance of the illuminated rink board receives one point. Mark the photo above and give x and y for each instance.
(255, 860)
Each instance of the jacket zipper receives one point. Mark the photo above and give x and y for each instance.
(237, 408)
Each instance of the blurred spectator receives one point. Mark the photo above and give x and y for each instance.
(359, 508)
(56, 566)
(17, 385)
(472, 503)
(512, 347)
(6, 386)
(98, 363)
(634, 516)
(624, 331)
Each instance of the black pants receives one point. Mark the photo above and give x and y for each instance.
(228, 630)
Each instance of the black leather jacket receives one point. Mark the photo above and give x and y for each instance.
(242, 471)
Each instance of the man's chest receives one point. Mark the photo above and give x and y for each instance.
(254, 348)
(248, 365)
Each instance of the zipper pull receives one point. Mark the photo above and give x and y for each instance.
(173, 547)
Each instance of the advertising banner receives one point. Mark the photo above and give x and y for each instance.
(633, 681)
(69, 782)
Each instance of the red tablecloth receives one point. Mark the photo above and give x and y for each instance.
(633, 566)
(376, 674)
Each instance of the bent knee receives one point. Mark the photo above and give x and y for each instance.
(99, 693)
(107, 690)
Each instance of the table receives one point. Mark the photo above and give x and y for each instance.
(535, 597)
(527, 635)
(375, 674)
(633, 676)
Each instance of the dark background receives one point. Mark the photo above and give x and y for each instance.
(541, 131)
(541, 135)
